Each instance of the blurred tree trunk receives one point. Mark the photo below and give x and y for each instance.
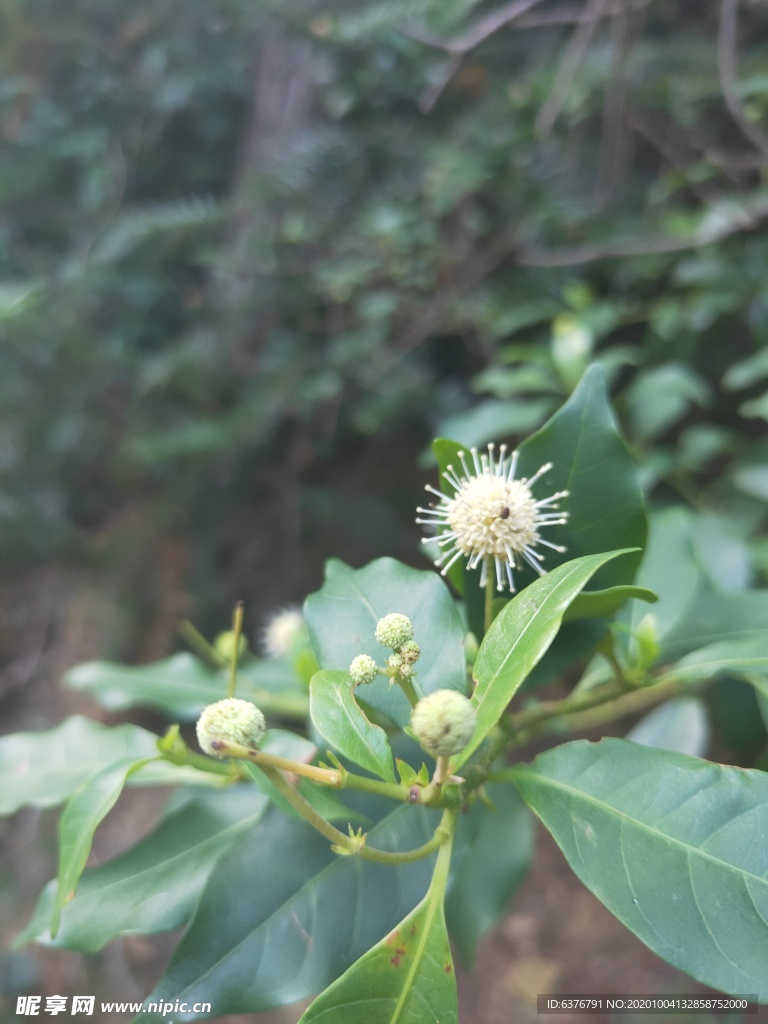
(280, 114)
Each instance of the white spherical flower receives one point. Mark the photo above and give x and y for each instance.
(444, 722)
(394, 630)
(283, 631)
(230, 721)
(492, 517)
(363, 669)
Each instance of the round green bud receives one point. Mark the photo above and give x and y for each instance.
(410, 652)
(363, 669)
(224, 644)
(443, 722)
(394, 630)
(230, 721)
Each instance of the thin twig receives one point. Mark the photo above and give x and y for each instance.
(483, 29)
(572, 59)
(727, 61)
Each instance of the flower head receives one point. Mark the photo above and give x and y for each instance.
(491, 516)
(284, 630)
(394, 630)
(230, 721)
(444, 722)
(363, 669)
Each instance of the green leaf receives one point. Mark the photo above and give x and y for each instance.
(342, 618)
(339, 719)
(406, 978)
(672, 845)
(519, 636)
(605, 504)
(181, 686)
(288, 916)
(155, 885)
(491, 868)
(44, 768)
(711, 617)
(603, 603)
(742, 657)
(680, 725)
(86, 809)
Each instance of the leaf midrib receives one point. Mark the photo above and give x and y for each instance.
(641, 825)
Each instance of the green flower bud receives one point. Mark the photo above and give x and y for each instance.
(394, 630)
(224, 644)
(363, 669)
(443, 722)
(397, 665)
(410, 652)
(230, 721)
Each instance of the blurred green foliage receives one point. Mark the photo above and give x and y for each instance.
(231, 231)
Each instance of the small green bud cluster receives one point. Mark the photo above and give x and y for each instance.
(444, 722)
(230, 721)
(394, 630)
(363, 669)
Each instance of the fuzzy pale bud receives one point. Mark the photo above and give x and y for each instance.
(363, 669)
(444, 722)
(394, 630)
(230, 721)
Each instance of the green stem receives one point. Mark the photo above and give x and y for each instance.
(336, 778)
(489, 593)
(350, 844)
(200, 645)
(326, 776)
(407, 687)
(440, 875)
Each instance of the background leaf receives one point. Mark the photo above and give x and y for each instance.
(155, 885)
(339, 719)
(342, 617)
(181, 686)
(87, 808)
(672, 845)
(680, 725)
(289, 916)
(490, 869)
(41, 768)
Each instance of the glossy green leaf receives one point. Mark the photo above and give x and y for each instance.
(519, 636)
(672, 845)
(44, 768)
(154, 886)
(406, 978)
(86, 809)
(605, 505)
(289, 916)
(339, 719)
(342, 618)
(181, 686)
(680, 725)
(604, 603)
(490, 869)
